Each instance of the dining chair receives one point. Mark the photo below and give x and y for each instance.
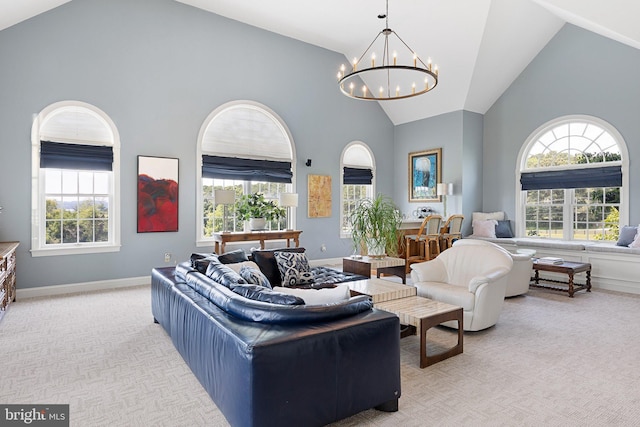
(424, 245)
(451, 231)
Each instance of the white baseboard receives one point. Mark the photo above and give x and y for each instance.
(44, 291)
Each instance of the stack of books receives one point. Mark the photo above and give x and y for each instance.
(550, 260)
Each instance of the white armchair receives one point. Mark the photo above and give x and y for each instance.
(469, 276)
(520, 275)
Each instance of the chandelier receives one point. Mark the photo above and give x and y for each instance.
(391, 78)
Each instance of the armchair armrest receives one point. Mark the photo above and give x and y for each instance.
(492, 276)
(429, 271)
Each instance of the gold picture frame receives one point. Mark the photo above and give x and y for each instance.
(425, 172)
(319, 193)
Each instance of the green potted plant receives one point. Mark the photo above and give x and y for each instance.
(375, 223)
(256, 209)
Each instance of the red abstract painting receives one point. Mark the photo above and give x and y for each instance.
(157, 194)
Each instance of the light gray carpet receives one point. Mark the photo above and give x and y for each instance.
(551, 360)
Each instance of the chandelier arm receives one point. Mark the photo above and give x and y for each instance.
(410, 50)
(367, 49)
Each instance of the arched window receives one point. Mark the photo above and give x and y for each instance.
(573, 183)
(243, 148)
(357, 171)
(75, 180)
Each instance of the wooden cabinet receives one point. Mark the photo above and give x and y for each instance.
(7, 275)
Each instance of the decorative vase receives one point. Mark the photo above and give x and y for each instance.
(257, 223)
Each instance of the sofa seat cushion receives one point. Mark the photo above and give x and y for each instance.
(445, 292)
(329, 276)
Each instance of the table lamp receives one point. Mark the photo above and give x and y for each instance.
(224, 197)
(288, 200)
(444, 190)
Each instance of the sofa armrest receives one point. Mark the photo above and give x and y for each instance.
(492, 276)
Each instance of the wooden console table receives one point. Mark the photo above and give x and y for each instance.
(221, 239)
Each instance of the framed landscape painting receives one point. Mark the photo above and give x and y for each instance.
(157, 194)
(425, 171)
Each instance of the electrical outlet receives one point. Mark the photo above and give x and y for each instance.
(323, 248)
(167, 257)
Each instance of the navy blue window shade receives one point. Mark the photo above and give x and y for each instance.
(357, 176)
(75, 156)
(246, 169)
(607, 176)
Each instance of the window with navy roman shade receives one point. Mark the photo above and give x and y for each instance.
(233, 168)
(609, 176)
(75, 156)
(357, 176)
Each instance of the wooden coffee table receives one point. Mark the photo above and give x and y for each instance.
(424, 313)
(386, 265)
(568, 268)
(381, 290)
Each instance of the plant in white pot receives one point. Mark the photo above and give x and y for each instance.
(375, 223)
(256, 209)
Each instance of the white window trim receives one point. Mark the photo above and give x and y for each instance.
(38, 249)
(202, 240)
(344, 235)
(520, 196)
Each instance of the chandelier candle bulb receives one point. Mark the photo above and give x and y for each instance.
(364, 91)
(413, 88)
(351, 88)
(355, 64)
(395, 58)
(397, 90)
(415, 60)
(381, 90)
(373, 60)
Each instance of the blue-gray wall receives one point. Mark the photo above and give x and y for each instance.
(158, 69)
(578, 72)
(459, 134)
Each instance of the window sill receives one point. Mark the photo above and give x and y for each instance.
(75, 250)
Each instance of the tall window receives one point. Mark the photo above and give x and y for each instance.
(246, 148)
(357, 169)
(75, 151)
(572, 181)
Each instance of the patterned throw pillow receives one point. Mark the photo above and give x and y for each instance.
(223, 274)
(294, 268)
(255, 276)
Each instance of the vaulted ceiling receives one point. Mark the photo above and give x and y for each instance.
(480, 46)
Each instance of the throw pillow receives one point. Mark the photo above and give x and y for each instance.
(203, 263)
(485, 228)
(238, 265)
(195, 257)
(636, 242)
(318, 296)
(255, 276)
(223, 274)
(483, 216)
(267, 262)
(503, 229)
(627, 235)
(232, 257)
(291, 265)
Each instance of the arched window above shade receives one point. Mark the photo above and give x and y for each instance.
(357, 169)
(247, 131)
(76, 124)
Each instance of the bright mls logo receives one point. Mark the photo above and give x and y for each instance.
(36, 415)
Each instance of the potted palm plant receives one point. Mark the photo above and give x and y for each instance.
(256, 209)
(375, 223)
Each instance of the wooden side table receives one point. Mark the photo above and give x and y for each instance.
(386, 265)
(423, 314)
(568, 268)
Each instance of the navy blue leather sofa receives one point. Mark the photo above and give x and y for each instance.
(266, 364)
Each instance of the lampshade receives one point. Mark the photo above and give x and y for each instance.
(224, 197)
(288, 199)
(443, 189)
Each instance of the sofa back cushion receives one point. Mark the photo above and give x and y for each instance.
(223, 274)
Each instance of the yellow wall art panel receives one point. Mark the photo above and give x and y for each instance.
(319, 190)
